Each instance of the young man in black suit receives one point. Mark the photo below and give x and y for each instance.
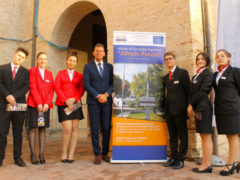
(14, 84)
(98, 82)
(176, 88)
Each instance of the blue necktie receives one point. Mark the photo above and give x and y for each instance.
(100, 69)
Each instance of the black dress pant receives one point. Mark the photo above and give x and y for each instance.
(100, 114)
(17, 119)
(177, 128)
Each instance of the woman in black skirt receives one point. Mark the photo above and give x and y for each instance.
(69, 90)
(39, 102)
(227, 107)
(201, 109)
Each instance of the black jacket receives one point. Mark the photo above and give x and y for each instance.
(177, 92)
(227, 92)
(17, 87)
(199, 90)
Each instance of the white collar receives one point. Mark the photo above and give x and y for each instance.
(173, 69)
(13, 65)
(98, 62)
(70, 71)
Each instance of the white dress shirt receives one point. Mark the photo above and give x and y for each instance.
(41, 72)
(12, 66)
(70, 74)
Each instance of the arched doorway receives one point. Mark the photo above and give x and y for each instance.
(79, 27)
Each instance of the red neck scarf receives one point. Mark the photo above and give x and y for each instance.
(220, 68)
(199, 69)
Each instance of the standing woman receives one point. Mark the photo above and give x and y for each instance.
(200, 107)
(39, 101)
(69, 89)
(227, 107)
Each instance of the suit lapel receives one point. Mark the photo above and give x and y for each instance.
(18, 74)
(200, 75)
(39, 74)
(225, 74)
(174, 76)
(9, 71)
(66, 74)
(96, 69)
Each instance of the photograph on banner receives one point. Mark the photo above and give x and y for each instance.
(139, 91)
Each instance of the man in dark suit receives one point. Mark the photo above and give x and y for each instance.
(14, 84)
(176, 87)
(98, 82)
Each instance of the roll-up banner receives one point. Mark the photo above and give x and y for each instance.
(138, 128)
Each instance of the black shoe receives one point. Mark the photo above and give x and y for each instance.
(0, 163)
(169, 163)
(18, 161)
(64, 160)
(178, 164)
(238, 167)
(34, 160)
(230, 171)
(207, 170)
(70, 161)
(43, 161)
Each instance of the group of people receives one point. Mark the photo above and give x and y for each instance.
(191, 98)
(69, 85)
(184, 98)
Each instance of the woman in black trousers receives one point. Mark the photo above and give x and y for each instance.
(227, 107)
(201, 109)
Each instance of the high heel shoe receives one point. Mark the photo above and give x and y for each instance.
(238, 166)
(230, 171)
(42, 160)
(34, 160)
(207, 170)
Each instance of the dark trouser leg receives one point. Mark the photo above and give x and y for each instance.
(4, 130)
(181, 124)
(173, 133)
(41, 139)
(94, 111)
(106, 126)
(17, 128)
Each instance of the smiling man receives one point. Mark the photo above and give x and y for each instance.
(176, 86)
(14, 84)
(98, 82)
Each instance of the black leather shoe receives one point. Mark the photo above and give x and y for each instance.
(169, 163)
(43, 161)
(19, 162)
(64, 160)
(207, 170)
(178, 164)
(34, 160)
(70, 160)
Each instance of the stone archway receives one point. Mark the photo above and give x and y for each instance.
(63, 30)
(62, 34)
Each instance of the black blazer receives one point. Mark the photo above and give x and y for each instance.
(17, 87)
(94, 84)
(227, 92)
(177, 92)
(199, 90)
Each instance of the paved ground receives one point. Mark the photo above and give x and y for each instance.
(83, 168)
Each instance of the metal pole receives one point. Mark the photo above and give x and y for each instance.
(34, 34)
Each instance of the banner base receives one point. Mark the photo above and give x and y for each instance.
(137, 161)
